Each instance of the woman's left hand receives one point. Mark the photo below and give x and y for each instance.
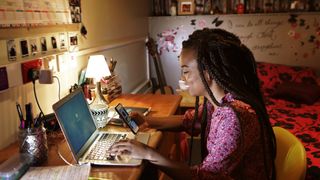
(130, 147)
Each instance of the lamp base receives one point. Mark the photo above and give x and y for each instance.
(99, 108)
(100, 114)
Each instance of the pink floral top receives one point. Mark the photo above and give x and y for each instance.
(234, 146)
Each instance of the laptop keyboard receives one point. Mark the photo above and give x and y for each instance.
(99, 151)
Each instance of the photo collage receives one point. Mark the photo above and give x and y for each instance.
(42, 45)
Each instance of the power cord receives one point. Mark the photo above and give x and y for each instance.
(64, 159)
(58, 85)
(35, 96)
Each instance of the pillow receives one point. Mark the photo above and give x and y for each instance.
(271, 75)
(297, 92)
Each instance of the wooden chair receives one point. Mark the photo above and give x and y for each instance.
(291, 156)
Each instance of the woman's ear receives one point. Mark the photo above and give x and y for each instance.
(207, 77)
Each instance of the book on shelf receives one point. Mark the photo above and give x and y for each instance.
(162, 7)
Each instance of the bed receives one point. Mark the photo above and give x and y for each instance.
(292, 97)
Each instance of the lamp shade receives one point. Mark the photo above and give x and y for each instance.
(97, 67)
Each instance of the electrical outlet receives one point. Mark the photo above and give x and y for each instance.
(30, 69)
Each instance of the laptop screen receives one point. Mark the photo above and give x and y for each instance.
(75, 117)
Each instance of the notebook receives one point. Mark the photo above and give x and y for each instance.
(82, 135)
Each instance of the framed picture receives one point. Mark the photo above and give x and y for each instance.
(186, 7)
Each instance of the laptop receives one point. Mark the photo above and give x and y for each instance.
(87, 143)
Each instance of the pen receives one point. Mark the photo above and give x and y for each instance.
(37, 121)
(29, 118)
(20, 115)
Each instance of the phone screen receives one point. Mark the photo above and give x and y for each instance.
(124, 115)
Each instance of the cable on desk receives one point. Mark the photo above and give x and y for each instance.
(60, 155)
(58, 85)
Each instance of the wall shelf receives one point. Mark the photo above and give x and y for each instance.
(10, 33)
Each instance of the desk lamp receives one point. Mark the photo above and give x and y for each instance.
(98, 68)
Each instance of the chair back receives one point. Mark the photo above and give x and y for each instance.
(291, 156)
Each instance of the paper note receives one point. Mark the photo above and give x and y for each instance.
(58, 172)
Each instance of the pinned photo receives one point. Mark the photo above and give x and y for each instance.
(12, 51)
(24, 48)
(54, 42)
(33, 46)
(63, 41)
(43, 42)
(73, 40)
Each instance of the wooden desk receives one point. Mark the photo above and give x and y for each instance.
(161, 105)
(187, 100)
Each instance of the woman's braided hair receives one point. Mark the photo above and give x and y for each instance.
(232, 66)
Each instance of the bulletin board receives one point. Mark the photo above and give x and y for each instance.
(22, 13)
(283, 38)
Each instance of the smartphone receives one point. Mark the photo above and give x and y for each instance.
(124, 115)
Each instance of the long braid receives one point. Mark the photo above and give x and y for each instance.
(204, 151)
(192, 128)
(232, 66)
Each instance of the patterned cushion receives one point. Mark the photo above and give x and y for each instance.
(271, 75)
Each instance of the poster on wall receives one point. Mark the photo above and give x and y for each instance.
(21, 13)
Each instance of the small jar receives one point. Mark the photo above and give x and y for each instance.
(33, 141)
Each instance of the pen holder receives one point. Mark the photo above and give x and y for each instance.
(33, 141)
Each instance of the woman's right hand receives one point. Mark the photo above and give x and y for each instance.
(140, 120)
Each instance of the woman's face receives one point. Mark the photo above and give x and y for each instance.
(190, 72)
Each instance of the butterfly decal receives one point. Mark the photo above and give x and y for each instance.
(193, 22)
(312, 38)
(217, 22)
(302, 22)
(293, 19)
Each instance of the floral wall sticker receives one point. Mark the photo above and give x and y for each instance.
(306, 33)
(169, 40)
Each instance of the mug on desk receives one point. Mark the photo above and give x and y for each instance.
(33, 141)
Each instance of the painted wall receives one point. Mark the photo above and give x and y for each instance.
(278, 38)
(115, 29)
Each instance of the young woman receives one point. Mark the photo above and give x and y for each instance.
(237, 138)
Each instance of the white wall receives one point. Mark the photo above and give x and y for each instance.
(271, 37)
(116, 28)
